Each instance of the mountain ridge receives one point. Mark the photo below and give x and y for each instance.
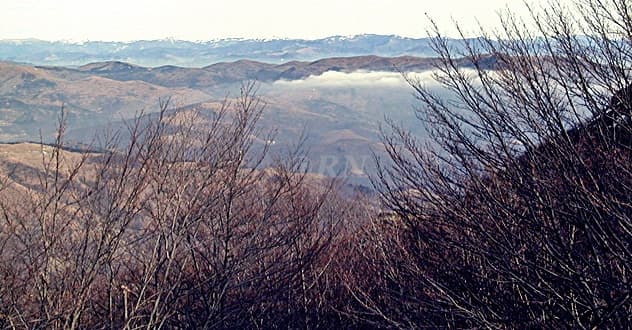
(31, 96)
(241, 70)
(202, 53)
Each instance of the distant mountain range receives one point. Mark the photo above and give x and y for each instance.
(31, 96)
(338, 103)
(339, 118)
(241, 70)
(197, 54)
(96, 93)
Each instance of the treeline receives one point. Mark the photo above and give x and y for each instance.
(516, 214)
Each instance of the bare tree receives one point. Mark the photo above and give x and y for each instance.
(172, 223)
(517, 212)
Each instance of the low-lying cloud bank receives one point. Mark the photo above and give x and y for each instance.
(336, 79)
(358, 78)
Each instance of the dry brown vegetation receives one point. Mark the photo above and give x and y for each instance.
(516, 215)
(176, 228)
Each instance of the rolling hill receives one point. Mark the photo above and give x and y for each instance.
(337, 103)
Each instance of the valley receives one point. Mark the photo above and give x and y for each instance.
(336, 105)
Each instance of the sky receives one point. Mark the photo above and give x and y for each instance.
(128, 20)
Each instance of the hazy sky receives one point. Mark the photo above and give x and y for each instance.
(203, 20)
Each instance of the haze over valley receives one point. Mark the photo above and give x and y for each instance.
(336, 104)
(282, 164)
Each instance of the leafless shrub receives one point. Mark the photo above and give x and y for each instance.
(173, 224)
(517, 214)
